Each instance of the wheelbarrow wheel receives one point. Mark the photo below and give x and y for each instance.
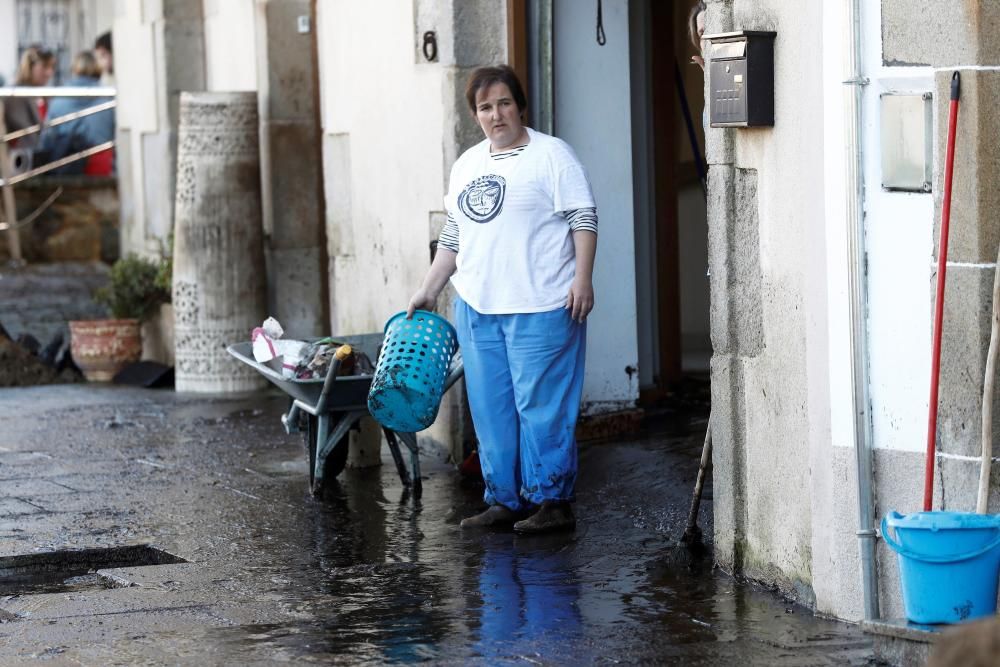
(335, 461)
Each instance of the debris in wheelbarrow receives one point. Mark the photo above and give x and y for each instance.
(316, 356)
(302, 360)
(268, 345)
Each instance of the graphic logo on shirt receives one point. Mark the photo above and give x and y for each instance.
(482, 199)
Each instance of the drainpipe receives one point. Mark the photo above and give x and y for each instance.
(858, 279)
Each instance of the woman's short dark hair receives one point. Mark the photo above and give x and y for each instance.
(484, 77)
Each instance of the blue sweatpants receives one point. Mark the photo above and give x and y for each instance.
(524, 376)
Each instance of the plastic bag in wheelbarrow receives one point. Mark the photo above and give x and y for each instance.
(411, 371)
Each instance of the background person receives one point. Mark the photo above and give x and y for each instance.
(105, 59)
(519, 246)
(82, 133)
(37, 67)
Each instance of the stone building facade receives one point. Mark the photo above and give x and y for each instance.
(361, 121)
(786, 505)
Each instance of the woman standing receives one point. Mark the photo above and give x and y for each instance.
(519, 247)
(37, 67)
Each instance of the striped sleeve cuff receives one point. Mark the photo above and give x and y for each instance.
(449, 235)
(582, 219)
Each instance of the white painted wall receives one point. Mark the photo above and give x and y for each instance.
(836, 565)
(8, 40)
(138, 33)
(230, 60)
(899, 237)
(98, 17)
(593, 114)
(900, 245)
(383, 128)
(140, 108)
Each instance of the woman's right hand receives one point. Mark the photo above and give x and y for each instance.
(422, 299)
(442, 267)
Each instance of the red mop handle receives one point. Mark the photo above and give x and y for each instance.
(939, 295)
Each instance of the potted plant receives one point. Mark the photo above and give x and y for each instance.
(134, 293)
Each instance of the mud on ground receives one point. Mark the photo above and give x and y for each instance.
(365, 575)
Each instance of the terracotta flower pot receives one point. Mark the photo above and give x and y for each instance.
(101, 348)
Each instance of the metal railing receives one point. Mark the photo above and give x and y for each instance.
(8, 179)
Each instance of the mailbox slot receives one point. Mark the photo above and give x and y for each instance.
(741, 79)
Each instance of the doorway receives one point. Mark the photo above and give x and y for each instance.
(672, 288)
(631, 107)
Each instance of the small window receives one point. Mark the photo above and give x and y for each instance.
(907, 142)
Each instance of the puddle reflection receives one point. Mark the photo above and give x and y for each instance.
(382, 578)
(527, 593)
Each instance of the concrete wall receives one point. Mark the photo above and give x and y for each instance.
(391, 130)
(383, 155)
(769, 304)
(291, 167)
(230, 63)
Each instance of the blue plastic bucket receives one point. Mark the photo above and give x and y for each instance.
(411, 371)
(949, 564)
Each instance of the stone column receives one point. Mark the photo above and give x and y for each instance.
(291, 167)
(219, 278)
(972, 253)
(728, 420)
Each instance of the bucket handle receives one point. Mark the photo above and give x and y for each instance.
(902, 551)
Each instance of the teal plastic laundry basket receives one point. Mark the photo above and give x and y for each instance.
(411, 370)
(949, 564)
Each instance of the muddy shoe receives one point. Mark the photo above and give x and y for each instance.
(553, 515)
(495, 516)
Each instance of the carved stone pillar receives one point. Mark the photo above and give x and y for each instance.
(220, 283)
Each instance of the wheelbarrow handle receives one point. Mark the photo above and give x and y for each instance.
(342, 353)
(457, 371)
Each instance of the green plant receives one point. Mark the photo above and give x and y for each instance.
(165, 274)
(134, 291)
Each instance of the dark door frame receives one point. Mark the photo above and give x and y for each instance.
(665, 150)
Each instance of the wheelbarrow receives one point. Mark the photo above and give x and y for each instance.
(329, 407)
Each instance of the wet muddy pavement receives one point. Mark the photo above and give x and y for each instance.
(235, 563)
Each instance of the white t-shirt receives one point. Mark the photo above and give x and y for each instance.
(517, 253)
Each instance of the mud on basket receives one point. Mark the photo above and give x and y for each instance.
(410, 374)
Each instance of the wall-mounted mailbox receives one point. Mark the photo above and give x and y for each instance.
(741, 79)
